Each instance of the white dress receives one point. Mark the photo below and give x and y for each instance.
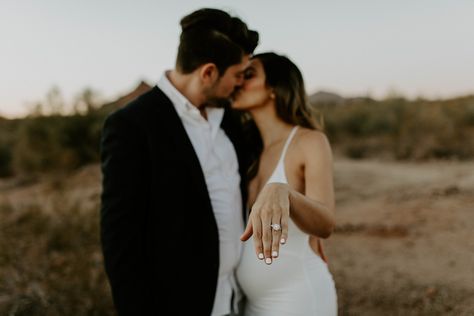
(298, 282)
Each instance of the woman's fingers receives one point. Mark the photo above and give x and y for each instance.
(284, 230)
(248, 232)
(276, 235)
(271, 208)
(257, 236)
(267, 236)
(270, 220)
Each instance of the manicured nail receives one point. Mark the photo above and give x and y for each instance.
(275, 254)
(260, 256)
(268, 260)
(282, 241)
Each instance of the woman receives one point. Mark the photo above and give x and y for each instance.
(291, 196)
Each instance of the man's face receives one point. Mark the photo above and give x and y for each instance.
(254, 91)
(232, 79)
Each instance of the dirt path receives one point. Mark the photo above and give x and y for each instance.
(404, 242)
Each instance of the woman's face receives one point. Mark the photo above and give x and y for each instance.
(253, 92)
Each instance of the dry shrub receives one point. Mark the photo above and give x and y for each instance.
(402, 129)
(51, 264)
(400, 297)
(434, 131)
(49, 143)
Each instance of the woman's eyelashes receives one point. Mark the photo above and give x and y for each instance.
(248, 74)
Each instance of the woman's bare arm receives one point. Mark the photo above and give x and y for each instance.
(313, 211)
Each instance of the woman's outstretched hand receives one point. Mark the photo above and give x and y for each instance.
(268, 221)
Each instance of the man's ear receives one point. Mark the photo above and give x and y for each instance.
(208, 73)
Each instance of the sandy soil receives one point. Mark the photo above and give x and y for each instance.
(404, 242)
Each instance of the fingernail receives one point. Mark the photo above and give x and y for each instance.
(260, 256)
(282, 240)
(268, 260)
(275, 254)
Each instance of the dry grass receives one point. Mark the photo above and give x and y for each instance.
(50, 261)
(404, 239)
(403, 243)
(402, 129)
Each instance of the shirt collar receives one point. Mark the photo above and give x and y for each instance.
(186, 109)
(180, 102)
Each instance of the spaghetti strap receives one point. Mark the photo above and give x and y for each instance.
(278, 174)
(288, 141)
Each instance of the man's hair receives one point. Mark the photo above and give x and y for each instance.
(213, 36)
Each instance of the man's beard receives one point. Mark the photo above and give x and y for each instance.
(216, 102)
(220, 102)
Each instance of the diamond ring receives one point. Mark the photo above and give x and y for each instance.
(275, 226)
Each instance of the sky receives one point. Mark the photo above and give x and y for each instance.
(418, 48)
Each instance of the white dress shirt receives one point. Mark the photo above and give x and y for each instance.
(220, 166)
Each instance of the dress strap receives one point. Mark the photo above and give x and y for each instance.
(278, 175)
(288, 141)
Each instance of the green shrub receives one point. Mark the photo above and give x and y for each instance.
(48, 143)
(417, 129)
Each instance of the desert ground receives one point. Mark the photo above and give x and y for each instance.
(403, 245)
(404, 239)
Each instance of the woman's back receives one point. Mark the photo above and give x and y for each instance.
(298, 282)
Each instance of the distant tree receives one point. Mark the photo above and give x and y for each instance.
(393, 94)
(54, 101)
(35, 110)
(37, 146)
(87, 101)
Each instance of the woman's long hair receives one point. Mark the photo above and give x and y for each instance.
(291, 102)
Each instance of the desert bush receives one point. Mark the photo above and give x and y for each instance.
(37, 147)
(433, 130)
(417, 129)
(364, 118)
(51, 264)
(47, 143)
(80, 137)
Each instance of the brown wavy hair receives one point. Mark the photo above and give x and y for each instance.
(213, 36)
(291, 102)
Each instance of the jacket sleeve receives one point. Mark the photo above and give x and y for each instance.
(124, 207)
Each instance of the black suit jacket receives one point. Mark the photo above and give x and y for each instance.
(158, 230)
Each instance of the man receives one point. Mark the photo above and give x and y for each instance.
(174, 179)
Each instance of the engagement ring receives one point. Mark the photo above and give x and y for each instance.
(275, 226)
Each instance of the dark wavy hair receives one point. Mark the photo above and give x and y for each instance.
(291, 102)
(213, 36)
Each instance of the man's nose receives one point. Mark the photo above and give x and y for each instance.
(240, 81)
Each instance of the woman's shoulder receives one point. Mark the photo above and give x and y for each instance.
(310, 137)
(312, 142)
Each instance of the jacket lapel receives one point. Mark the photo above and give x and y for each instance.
(173, 125)
(177, 134)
